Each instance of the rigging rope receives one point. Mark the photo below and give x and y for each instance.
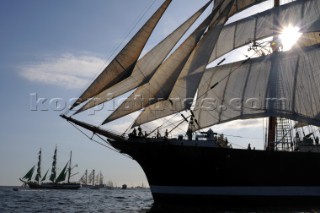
(98, 142)
(140, 17)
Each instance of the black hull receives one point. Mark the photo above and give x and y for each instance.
(66, 186)
(182, 173)
(191, 172)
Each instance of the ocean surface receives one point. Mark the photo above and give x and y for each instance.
(109, 201)
(83, 200)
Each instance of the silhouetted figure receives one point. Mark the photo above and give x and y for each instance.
(210, 135)
(317, 140)
(133, 134)
(166, 134)
(189, 134)
(249, 146)
(140, 134)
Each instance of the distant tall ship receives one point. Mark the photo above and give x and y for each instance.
(191, 86)
(92, 180)
(62, 181)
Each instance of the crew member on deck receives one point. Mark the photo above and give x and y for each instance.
(133, 133)
(166, 134)
(189, 131)
(210, 135)
(189, 134)
(158, 134)
(140, 134)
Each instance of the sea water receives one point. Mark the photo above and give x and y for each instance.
(83, 200)
(111, 201)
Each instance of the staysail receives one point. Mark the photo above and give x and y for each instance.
(29, 174)
(188, 80)
(166, 74)
(168, 86)
(45, 176)
(123, 64)
(146, 66)
(63, 174)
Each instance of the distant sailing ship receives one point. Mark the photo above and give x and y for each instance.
(273, 84)
(92, 180)
(56, 182)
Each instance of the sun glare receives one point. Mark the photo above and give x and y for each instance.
(289, 37)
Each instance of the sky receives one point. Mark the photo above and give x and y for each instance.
(49, 52)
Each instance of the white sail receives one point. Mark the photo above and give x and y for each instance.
(188, 80)
(283, 84)
(238, 6)
(308, 39)
(167, 75)
(303, 14)
(147, 65)
(228, 92)
(123, 64)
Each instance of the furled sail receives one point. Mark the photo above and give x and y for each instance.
(187, 83)
(123, 64)
(284, 84)
(147, 65)
(38, 176)
(166, 74)
(301, 13)
(54, 165)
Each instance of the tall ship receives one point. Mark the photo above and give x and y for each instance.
(92, 180)
(62, 181)
(192, 81)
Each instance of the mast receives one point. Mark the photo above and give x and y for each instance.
(273, 120)
(86, 176)
(93, 177)
(38, 176)
(54, 164)
(69, 169)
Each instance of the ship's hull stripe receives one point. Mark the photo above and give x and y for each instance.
(239, 191)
